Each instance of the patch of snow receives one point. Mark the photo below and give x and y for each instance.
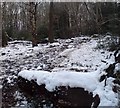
(81, 58)
(8, 80)
(117, 67)
(19, 50)
(66, 56)
(1, 86)
(66, 52)
(87, 56)
(53, 79)
(1, 77)
(39, 68)
(107, 96)
(54, 44)
(68, 40)
(118, 53)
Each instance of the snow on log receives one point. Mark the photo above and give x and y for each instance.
(62, 96)
(89, 82)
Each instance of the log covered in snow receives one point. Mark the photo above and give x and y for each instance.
(62, 96)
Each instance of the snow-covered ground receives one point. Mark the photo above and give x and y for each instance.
(73, 62)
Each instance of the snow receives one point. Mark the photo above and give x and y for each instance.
(54, 44)
(84, 57)
(107, 96)
(118, 53)
(89, 81)
(117, 67)
(66, 52)
(65, 57)
(1, 86)
(53, 79)
(20, 50)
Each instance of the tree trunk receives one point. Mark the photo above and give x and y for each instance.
(33, 13)
(0, 25)
(51, 35)
(3, 33)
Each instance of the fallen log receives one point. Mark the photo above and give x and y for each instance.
(62, 97)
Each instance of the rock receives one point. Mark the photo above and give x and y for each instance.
(3, 54)
(114, 89)
(117, 81)
(96, 101)
(102, 78)
(43, 41)
(110, 70)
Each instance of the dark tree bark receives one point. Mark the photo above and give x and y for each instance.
(51, 35)
(33, 15)
(4, 38)
(3, 33)
(0, 25)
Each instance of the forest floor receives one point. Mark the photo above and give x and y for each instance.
(80, 54)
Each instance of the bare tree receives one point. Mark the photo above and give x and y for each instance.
(33, 17)
(35, 21)
(0, 25)
(51, 35)
(4, 33)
